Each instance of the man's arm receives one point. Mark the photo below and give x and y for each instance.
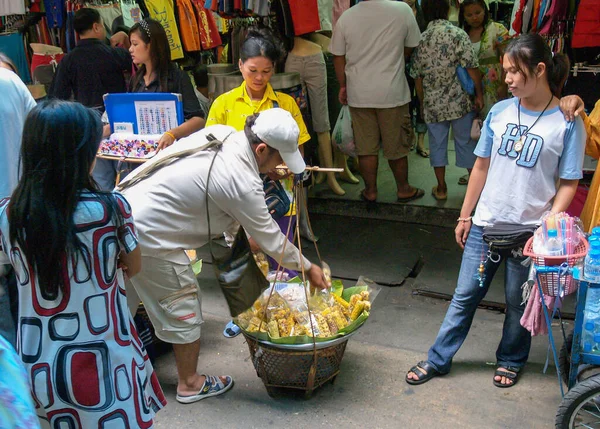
(61, 86)
(339, 63)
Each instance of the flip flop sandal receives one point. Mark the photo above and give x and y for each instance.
(420, 370)
(423, 152)
(364, 198)
(213, 386)
(511, 373)
(231, 330)
(464, 180)
(418, 194)
(438, 195)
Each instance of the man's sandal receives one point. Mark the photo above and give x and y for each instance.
(424, 372)
(213, 386)
(510, 373)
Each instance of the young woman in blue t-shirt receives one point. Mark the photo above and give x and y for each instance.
(529, 161)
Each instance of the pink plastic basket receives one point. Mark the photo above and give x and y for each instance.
(553, 283)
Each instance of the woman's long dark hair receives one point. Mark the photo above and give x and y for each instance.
(152, 32)
(528, 50)
(462, 23)
(60, 141)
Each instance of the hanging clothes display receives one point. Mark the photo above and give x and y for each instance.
(325, 14)
(556, 13)
(188, 26)
(12, 7)
(209, 33)
(108, 13)
(339, 7)
(259, 7)
(13, 46)
(131, 13)
(54, 12)
(305, 15)
(587, 25)
(162, 11)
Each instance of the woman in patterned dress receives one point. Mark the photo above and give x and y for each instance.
(488, 38)
(70, 246)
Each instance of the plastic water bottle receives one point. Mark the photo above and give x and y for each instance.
(553, 244)
(591, 321)
(591, 269)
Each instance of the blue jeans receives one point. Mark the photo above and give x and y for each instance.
(516, 340)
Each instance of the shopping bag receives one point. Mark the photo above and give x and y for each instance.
(343, 136)
(476, 129)
(465, 80)
(240, 279)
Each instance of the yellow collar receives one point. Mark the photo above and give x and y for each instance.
(242, 94)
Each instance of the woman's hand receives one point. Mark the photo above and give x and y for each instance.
(461, 232)
(571, 106)
(165, 141)
(106, 131)
(479, 104)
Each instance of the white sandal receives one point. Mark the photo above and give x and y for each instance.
(213, 386)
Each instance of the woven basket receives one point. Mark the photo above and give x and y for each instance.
(555, 284)
(281, 368)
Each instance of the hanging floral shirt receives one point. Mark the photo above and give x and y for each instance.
(443, 48)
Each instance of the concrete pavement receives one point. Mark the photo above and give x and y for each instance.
(370, 390)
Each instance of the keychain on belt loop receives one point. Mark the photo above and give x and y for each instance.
(490, 255)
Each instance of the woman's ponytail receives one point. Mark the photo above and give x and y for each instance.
(558, 73)
(528, 50)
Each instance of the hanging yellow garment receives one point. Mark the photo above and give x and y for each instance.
(591, 210)
(163, 12)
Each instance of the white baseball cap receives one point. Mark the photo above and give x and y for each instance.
(278, 129)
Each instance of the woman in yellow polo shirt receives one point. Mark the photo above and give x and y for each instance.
(258, 55)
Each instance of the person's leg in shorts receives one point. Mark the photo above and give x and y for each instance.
(438, 156)
(395, 127)
(463, 145)
(367, 137)
(172, 299)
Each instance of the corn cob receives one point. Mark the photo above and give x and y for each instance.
(341, 301)
(353, 300)
(323, 327)
(331, 323)
(254, 324)
(273, 329)
(357, 310)
(340, 320)
(367, 306)
(285, 326)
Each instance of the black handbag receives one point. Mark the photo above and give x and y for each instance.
(238, 275)
(506, 237)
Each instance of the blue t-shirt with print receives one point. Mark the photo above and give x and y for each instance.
(521, 185)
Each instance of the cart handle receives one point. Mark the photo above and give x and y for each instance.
(562, 269)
